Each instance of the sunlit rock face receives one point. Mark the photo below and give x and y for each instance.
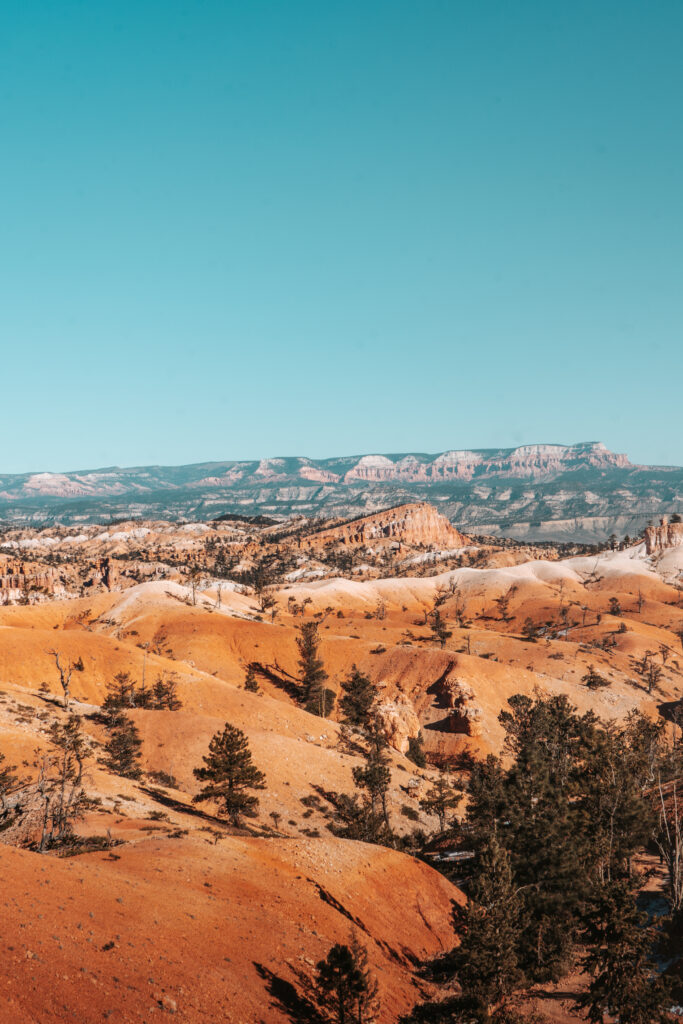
(666, 535)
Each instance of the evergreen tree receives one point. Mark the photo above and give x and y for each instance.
(120, 691)
(415, 752)
(374, 777)
(321, 701)
(165, 694)
(355, 820)
(617, 818)
(250, 680)
(442, 798)
(230, 775)
(358, 702)
(440, 631)
(625, 982)
(120, 695)
(543, 831)
(67, 797)
(486, 962)
(144, 697)
(367, 995)
(530, 630)
(313, 674)
(339, 982)
(487, 804)
(123, 749)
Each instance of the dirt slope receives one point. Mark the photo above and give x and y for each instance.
(207, 932)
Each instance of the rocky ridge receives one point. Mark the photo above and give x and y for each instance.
(414, 524)
(545, 492)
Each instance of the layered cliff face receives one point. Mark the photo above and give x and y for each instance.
(417, 525)
(534, 460)
(666, 535)
(528, 461)
(581, 492)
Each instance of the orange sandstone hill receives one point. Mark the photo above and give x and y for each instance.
(416, 525)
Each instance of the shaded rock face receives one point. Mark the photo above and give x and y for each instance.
(666, 535)
(399, 721)
(414, 524)
(104, 573)
(464, 715)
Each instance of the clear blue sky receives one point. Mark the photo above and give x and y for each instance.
(233, 230)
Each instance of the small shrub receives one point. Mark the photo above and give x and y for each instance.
(163, 779)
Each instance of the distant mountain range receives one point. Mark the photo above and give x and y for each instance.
(535, 492)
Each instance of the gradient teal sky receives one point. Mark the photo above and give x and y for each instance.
(233, 230)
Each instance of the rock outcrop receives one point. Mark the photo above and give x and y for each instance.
(18, 577)
(666, 535)
(464, 716)
(415, 524)
(399, 721)
(531, 460)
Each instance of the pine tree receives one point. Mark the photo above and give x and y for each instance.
(250, 680)
(313, 674)
(144, 697)
(338, 983)
(120, 695)
(321, 701)
(353, 819)
(415, 752)
(66, 803)
(487, 804)
(625, 982)
(367, 996)
(360, 697)
(230, 774)
(487, 966)
(544, 831)
(173, 701)
(440, 631)
(120, 691)
(123, 749)
(530, 630)
(617, 818)
(165, 694)
(440, 799)
(373, 778)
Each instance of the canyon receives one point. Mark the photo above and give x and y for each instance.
(104, 932)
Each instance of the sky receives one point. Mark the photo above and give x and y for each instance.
(242, 230)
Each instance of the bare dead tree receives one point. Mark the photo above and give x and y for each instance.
(65, 671)
(194, 579)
